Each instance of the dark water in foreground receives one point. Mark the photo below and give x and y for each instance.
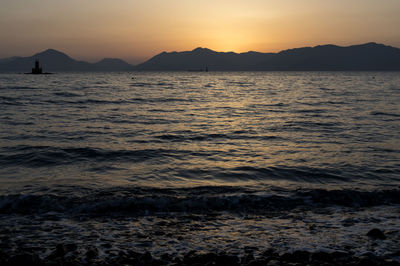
(172, 162)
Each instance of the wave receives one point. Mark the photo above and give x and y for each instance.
(324, 103)
(243, 84)
(15, 123)
(68, 94)
(313, 111)
(208, 137)
(114, 102)
(291, 173)
(142, 201)
(142, 84)
(39, 156)
(312, 126)
(51, 156)
(10, 101)
(385, 114)
(11, 88)
(87, 101)
(264, 105)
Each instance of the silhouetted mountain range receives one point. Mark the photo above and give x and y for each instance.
(369, 56)
(55, 61)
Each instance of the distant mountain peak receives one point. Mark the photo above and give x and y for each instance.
(373, 44)
(115, 62)
(52, 52)
(203, 50)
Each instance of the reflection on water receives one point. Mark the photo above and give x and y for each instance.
(185, 129)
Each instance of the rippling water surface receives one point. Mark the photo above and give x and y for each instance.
(263, 144)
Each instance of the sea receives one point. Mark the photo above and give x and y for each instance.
(178, 162)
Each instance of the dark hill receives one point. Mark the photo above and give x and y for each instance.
(54, 61)
(200, 58)
(369, 56)
(113, 63)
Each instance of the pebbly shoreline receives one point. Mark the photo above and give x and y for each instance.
(70, 255)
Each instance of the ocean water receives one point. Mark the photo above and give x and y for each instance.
(171, 162)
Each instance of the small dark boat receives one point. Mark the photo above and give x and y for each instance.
(195, 70)
(37, 70)
(199, 70)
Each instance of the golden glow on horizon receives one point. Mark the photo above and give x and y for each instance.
(136, 29)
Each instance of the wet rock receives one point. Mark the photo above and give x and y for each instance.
(192, 258)
(339, 255)
(297, 256)
(250, 249)
(390, 262)
(260, 262)
(146, 258)
(70, 247)
(25, 259)
(273, 263)
(368, 254)
(91, 253)
(376, 234)
(312, 227)
(247, 259)
(3, 257)
(59, 252)
(189, 255)
(348, 222)
(329, 258)
(270, 253)
(133, 254)
(224, 259)
(159, 233)
(322, 257)
(395, 254)
(199, 264)
(177, 261)
(166, 257)
(130, 258)
(106, 245)
(162, 223)
(140, 235)
(366, 261)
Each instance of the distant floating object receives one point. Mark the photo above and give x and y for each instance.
(199, 70)
(37, 70)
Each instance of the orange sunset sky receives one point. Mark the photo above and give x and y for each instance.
(135, 30)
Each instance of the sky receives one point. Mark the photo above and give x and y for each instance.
(136, 30)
